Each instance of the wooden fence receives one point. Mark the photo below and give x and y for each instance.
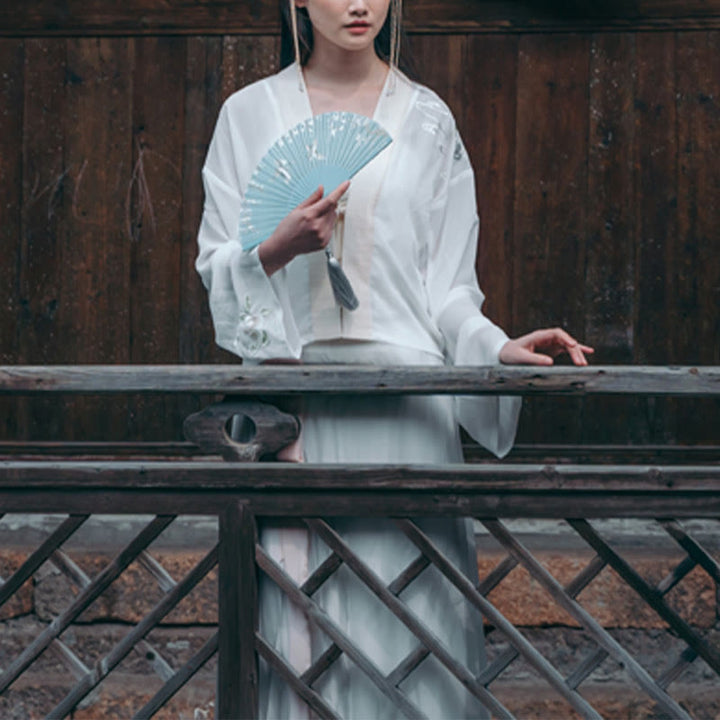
(50, 479)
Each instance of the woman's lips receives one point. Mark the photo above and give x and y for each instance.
(358, 28)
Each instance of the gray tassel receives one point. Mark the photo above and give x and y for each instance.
(341, 287)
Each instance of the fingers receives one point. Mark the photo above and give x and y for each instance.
(515, 353)
(533, 358)
(313, 198)
(555, 341)
(338, 192)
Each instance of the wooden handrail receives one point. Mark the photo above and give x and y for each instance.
(275, 380)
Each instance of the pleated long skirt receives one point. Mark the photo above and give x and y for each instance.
(408, 430)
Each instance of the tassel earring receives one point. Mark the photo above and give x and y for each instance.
(395, 35)
(296, 43)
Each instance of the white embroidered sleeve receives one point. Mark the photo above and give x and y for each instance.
(456, 302)
(251, 312)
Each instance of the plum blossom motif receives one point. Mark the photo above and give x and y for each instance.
(250, 337)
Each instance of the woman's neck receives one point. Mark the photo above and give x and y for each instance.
(340, 80)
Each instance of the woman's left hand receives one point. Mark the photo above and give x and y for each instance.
(550, 342)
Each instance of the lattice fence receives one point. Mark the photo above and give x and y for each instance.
(515, 653)
(58, 649)
(698, 646)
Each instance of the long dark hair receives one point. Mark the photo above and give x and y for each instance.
(305, 36)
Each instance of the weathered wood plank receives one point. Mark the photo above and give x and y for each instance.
(550, 204)
(610, 240)
(247, 59)
(202, 104)
(11, 151)
(656, 207)
(237, 678)
(532, 504)
(695, 269)
(488, 125)
(441, 64)
(74, 17)
(359, 379)
(538, 454)
(154, 226)
(95, 282)
(45, 192)
(268, 477)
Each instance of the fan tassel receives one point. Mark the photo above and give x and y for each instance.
(341, 287)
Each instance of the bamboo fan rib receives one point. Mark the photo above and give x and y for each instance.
(322, 150)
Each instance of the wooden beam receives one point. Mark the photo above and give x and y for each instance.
(237, 678)
(359, 380)
(199, 476)
(695, 504)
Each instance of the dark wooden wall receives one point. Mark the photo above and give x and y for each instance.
(595, 136)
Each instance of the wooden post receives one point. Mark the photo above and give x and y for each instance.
(237, 610)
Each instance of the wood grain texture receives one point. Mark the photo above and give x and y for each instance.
(11, 143)
(237, 609)
(274, 380)
(610, 239)
(154, 227)
(550, 203)
(260, 17)
(44, 203)
(656, 208)
(530, 504)
(488, 122)
(694, 259)
(202, 104)
(95, 283)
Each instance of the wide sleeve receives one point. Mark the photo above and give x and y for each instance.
(456, 300)
(251, 312)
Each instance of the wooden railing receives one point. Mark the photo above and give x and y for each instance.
(239, 492)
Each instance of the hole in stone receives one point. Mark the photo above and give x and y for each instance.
(241, 428)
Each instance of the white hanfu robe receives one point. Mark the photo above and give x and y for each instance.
(408, 247)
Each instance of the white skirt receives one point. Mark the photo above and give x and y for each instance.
(408, 430)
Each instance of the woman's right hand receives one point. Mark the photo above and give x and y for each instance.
(306, 229)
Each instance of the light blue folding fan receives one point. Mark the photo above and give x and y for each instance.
(322, 150)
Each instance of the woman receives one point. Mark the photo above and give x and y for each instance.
(407, 241)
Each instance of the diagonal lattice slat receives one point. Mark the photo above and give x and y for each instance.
(178, 680)
(402, 612)
(693, 548)
(84, 599)
(103, 667)
(326, 624)
(297, 683)
(592, 627)
(526, 649)
(595, 659)
(649, 594)
(81, 580)
(321, 664)
(39, 556)
(333, 653)
(573, 589)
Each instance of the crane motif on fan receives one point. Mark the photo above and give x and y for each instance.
(323, 150)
